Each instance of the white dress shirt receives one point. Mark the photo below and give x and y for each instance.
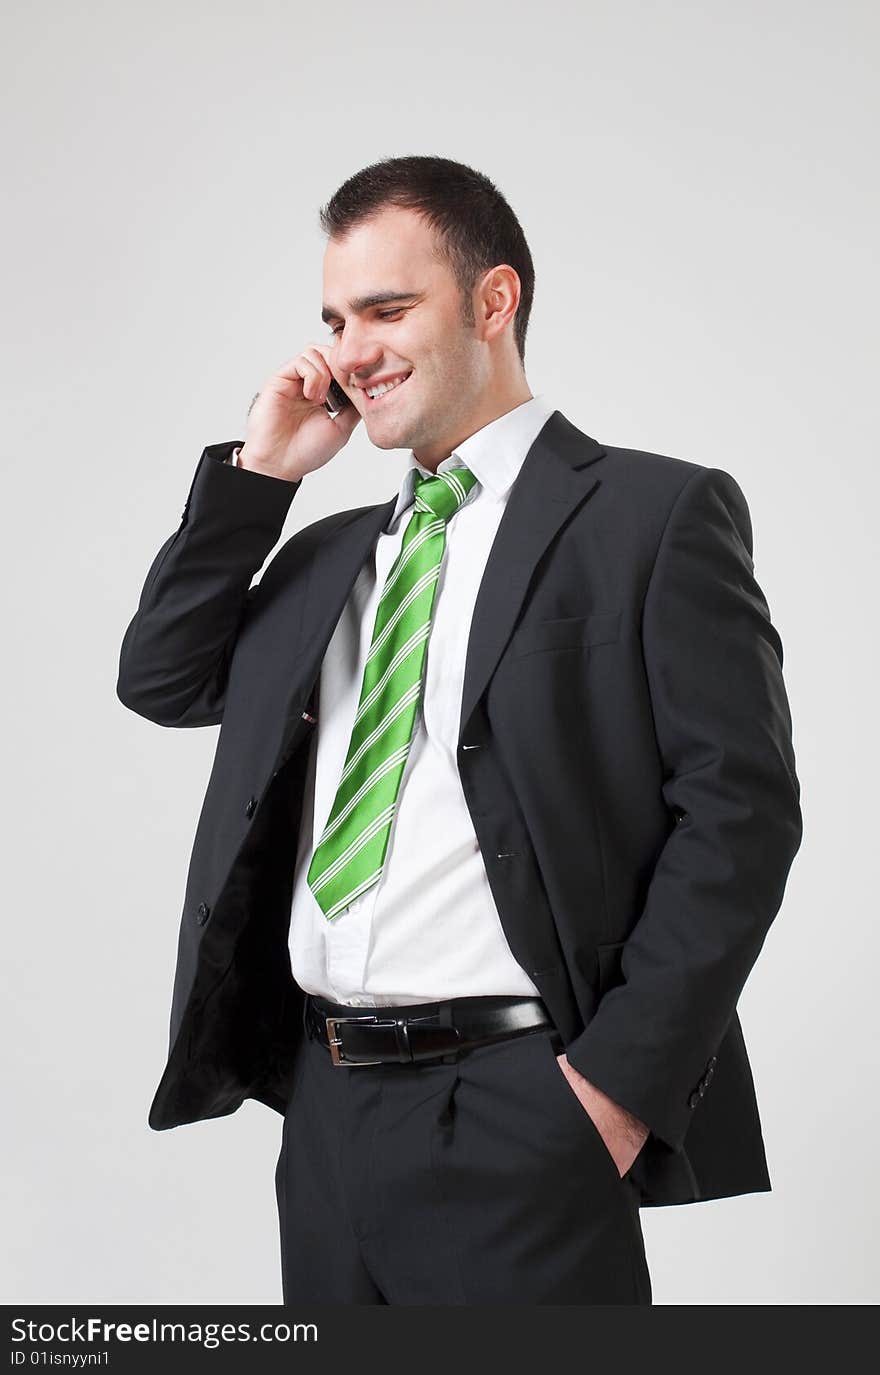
(429, 928)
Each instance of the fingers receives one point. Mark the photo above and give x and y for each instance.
(319, 375)
(326, 354)
(311, 369)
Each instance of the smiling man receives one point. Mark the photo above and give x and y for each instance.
(419, 327)
(504, 799)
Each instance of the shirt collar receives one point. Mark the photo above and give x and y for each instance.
(494, 454)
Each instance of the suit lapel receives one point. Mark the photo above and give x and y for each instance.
(552, 482)
(334, 568)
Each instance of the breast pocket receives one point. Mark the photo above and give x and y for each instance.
(566, 632)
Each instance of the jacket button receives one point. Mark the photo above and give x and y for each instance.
(694, 1099)
(251, 807)
(203, 913)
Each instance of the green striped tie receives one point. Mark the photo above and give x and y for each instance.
(351, 853)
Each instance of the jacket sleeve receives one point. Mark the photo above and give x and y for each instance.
(714, 667)
(175, 653)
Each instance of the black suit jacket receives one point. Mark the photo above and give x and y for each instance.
(625, 753)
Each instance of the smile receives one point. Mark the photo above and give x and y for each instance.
(376, 395)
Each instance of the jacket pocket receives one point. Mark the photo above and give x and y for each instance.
(578, 1114)
(567, 632)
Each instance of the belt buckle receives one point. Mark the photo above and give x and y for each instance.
(334, 1042)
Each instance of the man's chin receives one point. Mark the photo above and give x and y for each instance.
(388, 436)
(386, 443)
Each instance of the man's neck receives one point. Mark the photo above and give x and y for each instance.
(493, 409)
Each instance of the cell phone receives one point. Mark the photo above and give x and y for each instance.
(337, 399)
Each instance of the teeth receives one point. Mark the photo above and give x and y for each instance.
(383, 387)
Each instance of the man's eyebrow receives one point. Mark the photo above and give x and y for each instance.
(360, 303)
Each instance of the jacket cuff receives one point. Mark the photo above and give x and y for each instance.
(645, 1091)
(263, 500)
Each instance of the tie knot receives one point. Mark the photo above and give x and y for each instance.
(443, 493)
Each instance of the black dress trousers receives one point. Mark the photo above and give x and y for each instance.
(482, 1181)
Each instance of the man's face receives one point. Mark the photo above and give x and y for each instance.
(420, 336)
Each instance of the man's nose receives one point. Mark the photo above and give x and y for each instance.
(355, 353)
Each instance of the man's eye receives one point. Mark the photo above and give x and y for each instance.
(383, 315)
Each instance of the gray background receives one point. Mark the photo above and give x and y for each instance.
(697, 183)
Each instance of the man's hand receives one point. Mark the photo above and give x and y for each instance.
(289, 433)
(623, 1134)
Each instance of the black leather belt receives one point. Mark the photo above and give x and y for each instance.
(404, 1034)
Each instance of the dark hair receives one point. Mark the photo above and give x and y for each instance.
(475, 228)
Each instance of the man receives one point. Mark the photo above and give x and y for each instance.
(504, 766)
